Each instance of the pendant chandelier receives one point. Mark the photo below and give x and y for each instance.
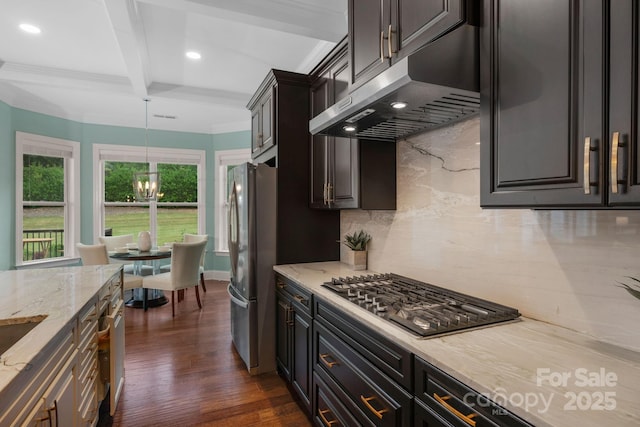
(146, 185)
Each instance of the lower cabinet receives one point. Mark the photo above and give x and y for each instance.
(57, 406)
(61, 387)
(371, 396)
(347, 374)
(293, 335)
(445, 401)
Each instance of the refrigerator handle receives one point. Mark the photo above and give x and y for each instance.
(242, 302)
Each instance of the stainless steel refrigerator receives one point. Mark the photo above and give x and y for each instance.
(252, 253)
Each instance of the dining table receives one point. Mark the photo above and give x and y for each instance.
(143, 297)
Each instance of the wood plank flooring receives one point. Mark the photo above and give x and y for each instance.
(184, 371)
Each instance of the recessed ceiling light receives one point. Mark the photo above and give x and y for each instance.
(192, 54)
(398, 105)
(349, 128)
(31, 29)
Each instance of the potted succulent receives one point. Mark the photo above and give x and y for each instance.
(357, 253)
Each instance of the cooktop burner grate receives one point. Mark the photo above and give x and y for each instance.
(422, 308)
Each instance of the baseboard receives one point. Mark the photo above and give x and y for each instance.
(216, 275)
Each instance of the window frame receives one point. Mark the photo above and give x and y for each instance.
(28, 143)
(223, 159)
(124, 153)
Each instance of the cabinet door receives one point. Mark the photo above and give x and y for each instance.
(283, 309)
(59, 407)
(301, 346)
(320, 99)
(255, 130)
(266, 121)
(624, 160)
(345, 174)
(422, 21)
(369, 22)
(542, 103)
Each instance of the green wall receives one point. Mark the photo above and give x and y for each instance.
(14, 119)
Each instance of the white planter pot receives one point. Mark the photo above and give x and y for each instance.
(357, 259)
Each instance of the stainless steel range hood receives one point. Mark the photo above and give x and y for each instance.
(439, 83)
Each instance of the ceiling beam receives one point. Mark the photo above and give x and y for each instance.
(319, 20)
(129, 31)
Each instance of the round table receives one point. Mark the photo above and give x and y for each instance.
(157, 297)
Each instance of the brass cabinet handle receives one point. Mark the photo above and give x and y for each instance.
(381, 46)
(377, 413)
(328, 364)
(290, 316)
(330, 198)
(324, 193)
(587, 165)
(321, 412)
(466, 418)
(389, 44)
(281, 285)
(300, 299)
(615, 141)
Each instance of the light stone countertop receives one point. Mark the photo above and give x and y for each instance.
(547, 375)
(58, 293)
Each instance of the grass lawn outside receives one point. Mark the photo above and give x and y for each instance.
(172, 224)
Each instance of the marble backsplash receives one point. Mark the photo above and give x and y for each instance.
(560, 266)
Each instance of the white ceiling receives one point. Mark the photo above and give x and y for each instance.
(96, 60)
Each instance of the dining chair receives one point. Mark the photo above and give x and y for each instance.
(185, 271)
(98, 255)
(113, 242)
(190, 238)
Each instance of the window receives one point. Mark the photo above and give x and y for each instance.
(47, 198)
(180, 207)
(225, 161)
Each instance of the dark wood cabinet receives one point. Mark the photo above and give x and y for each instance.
(337, 164)
(280, 113)
(383, 31)
(350, 369)
(441, 400)
(293, 338)
(545, 140)
(261, 124)
(624, 115)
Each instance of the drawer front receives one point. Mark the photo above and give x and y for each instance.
(458, 404)
(382, 401)
(425, 417)
(300, 297)
(41, 373)
(389, 357)
(329, 410)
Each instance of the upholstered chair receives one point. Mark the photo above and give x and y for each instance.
(189, 238)
(185, 271)
(98, 255)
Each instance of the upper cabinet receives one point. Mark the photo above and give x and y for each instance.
(383, 31)
(545, 139)
(345, 172)
(276, 113)
(261, 123)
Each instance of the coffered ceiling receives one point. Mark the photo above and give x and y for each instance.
(96, 60)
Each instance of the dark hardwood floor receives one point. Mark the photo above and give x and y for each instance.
(184, 371)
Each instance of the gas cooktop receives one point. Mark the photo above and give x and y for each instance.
(422, 308)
